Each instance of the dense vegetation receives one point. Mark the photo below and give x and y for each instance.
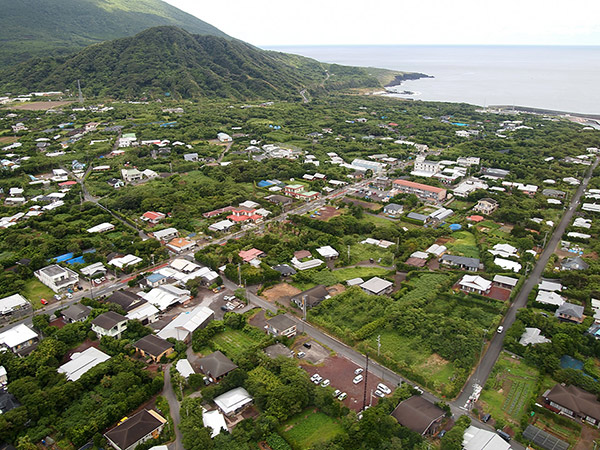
(30, 28)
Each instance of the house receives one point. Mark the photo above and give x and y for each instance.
(377, 286)
(154, 347)
(532, 336)
(179, 245)
(504, 282)
(424, 168)
(293, 189)
(304, 265)
(4, 377)
(461, 262)
(213, 420)
(166, 295)
(19, 339)
(154, 280)
(554, 193)
(575, 403)
(328, 252)
(109, 324)
(486, 206)
(550, 286)
(568, 312)
(281, 325)
(12, 304)
(216, 365)
(101, 228)
(57, 278)
(81, 362)
(251, 256)
(393, 210)
(232, 402)
(165, 235)
(125, 299)
(222, 225)
(419, 415)
(507, 264)
(137, 429)
(504, 250)
(279, 200)
(184, 368)
(479, 439)
(153, 217)
(76, 313)
(285, 270)
(475, 283)
(381, 183)
(423, 191)
(7, 403)
(182, 326)
(311, 297)
(224, 137)
(191, 157)
(549, 298)
(143, 311)
(131, 175)
(575, 263)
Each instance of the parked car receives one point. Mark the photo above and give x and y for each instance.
(224, 308)
(486, 418)
(69, 295)
(57, 297)
(418, 389)
(301, 355)
(307, 345)
(378, 393)
(358, 371)
(43, 301)
(326, 383)
(442, 433)
(500, 329)
(383, 388)
(503, 435)
(342, 396)
(337, 392)
(357, 379)
(316, 378)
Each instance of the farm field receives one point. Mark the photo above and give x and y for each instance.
(329, 278)
(308, 428)
(363, 252)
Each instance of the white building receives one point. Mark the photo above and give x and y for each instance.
(224, 137)
(109, 324)
(480, 439)
(165, 235)
(164, 296)
(101, 228)
(184, 368)
(57, 278)
(222, 225)
(328, 252)
(12, 303)
(124, 261)
(18, 338)
(81, 362)
(507, 264)
(475, 283)
(233, 401)
(182, 327)
(215, 421)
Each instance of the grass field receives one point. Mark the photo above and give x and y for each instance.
(464, 244)
(425, 286)
(329, 278)
(34, 291)
(378, 221)
(363, 252)
(509, 389)
(309, 428)
(234, 342)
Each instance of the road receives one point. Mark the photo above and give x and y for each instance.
(482, 372)
(173, 408)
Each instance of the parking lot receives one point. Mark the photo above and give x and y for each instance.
(340, 371)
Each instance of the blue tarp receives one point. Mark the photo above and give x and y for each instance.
(264, 183)
(62, 258)
(78, 260)
(455, 226)
(568, 362)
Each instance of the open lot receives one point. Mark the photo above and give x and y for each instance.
(279, 292)
(326, 212)
(39, 106)
(34, 291)
(340, 371)
(316, 354)
(308, 428)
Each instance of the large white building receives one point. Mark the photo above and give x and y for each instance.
(57, 278)
(18, 338)
(81, 362)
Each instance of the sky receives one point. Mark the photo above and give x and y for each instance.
(269, 23)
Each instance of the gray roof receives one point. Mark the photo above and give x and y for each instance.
(314, 296)
(125, 299)
(417, 414)
(393, 207)
(376, 285)
(216, 365)
(133, 429)
(575, 263)
(575, 399)
(417, 216)
(462, 261)
(285, 270)
(569, 309)
(281, 322)
(52, 270)
(77, 311)
(544, 439)
(108, 320)
(153, 345)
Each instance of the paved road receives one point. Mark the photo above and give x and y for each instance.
(173, 407)
(482, 372)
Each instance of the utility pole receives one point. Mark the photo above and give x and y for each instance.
(378, 344)
(239, 275)
(366, 379)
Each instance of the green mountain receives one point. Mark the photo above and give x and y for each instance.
(169, 59)
(30, 28)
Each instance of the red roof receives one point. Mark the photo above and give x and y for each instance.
(153, 215)
(475, 218)
(249, 255)
(68, 183)
(238, 218)
(423, 187)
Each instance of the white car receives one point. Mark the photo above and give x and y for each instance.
(326, 383)
(301, 355)
(358, 371)
(378, 393)
(383, 388)
(357, 379)
(342, 396)
(316, 378)
(418, 389)
(500, 329)
(337, 392)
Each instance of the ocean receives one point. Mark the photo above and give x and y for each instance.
(548, 77)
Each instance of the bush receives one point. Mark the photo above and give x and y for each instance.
(276, 442)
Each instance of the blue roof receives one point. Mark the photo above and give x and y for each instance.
(155, 277)
(78, 260)
(455, 226)
(264, 183)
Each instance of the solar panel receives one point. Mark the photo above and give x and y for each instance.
(544, 439)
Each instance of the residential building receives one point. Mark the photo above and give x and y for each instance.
(461, 262)
(508, 264)
(7, 403)
(328, 252)
(279, 200)
(232, 402)
(377, 286)
(364, 165)
(216, 365)
(224, 137)
(575, 263)
(131, 175)
(12, 304)
(423, 191)
(486, 206)
(285, 270)
(165, 235)
(476, 284)
(184, 368)
(101, 228)
(81, 362)
(568, 312)
(76, 313)
(480, 439)
(251, 256)
(109, 324)
(57, 278)
(125, 299)
(504, 282)
(281, 325)
(19, 339)
(549, 298)
(166, 295)
(180, 245)
(153, 217)
(154, 347)
(213, 420)
(312, 297)
(393, 210)
(419, 415)
(137, 429)
(182, 327)
(532, 336)
(424, 168)
(554, 193)
(574, 402)
(222, 225)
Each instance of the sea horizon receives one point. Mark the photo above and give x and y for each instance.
(560, 78)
